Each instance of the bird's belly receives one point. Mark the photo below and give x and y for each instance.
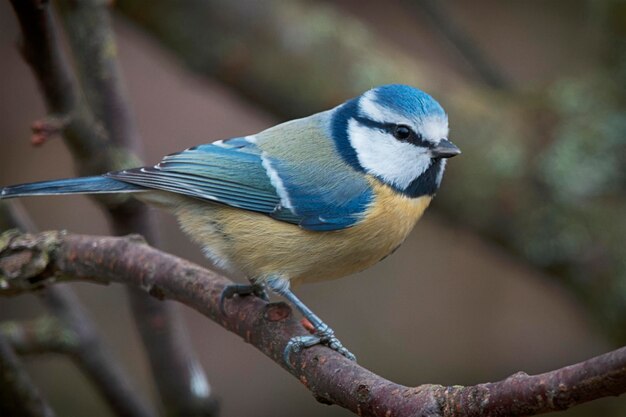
(261, 247)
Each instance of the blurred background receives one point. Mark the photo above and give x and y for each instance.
(519, 264)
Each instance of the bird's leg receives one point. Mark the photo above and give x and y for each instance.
(242, 290)
(322, 334)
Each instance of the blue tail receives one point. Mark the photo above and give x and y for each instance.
(84, 185)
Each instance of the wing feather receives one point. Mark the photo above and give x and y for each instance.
(233, 172)
(211, 173)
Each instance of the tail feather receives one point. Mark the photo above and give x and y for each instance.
(84, 185)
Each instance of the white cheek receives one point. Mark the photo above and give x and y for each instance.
(397, 163)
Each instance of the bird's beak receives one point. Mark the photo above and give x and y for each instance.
(445, 149)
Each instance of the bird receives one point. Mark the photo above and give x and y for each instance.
(311, 199)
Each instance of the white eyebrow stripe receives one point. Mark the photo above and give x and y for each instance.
(434, 128)
(374, 111)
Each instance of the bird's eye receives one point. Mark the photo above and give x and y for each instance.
(402, 132)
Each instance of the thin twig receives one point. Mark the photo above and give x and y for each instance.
(18, 395)
(330, 377)
(41, 50)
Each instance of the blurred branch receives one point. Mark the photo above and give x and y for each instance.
(91, 38)
(18, 395)
(43, 335)
(462, 42)
(14, 216)
(71, 332)
(295, 58)
(41, 50)
(92, 356)
(28, 262)
(541, 173)
(100, 132)
(180, 379)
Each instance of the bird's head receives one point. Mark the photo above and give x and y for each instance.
(398, 134)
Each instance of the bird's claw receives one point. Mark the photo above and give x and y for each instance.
(297, 343)
(336, 345)
(241, 290)
(325, 336)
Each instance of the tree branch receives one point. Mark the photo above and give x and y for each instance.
(71, 332)
(41, 50)
(91, 38)
(32, 261)
(18, 395)
(177, 372)
(43, 335)
(74, 335)
(14, 216)
(92, 355)
(102, 136)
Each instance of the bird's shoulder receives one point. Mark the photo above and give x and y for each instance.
(317, 180)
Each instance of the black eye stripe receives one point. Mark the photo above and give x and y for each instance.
(374, 124)
(413, 138)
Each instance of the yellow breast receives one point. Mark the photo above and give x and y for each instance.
(262, 247)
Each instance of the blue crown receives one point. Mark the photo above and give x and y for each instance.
(407, 101)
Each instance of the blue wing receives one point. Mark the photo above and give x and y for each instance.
(237, 173)
(324, 199)
(209, 172)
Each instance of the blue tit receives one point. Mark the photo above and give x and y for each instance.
(311, 199)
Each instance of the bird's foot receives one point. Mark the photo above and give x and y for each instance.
(323, 335)
(242, 290)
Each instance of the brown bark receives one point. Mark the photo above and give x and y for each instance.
(31, 261)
